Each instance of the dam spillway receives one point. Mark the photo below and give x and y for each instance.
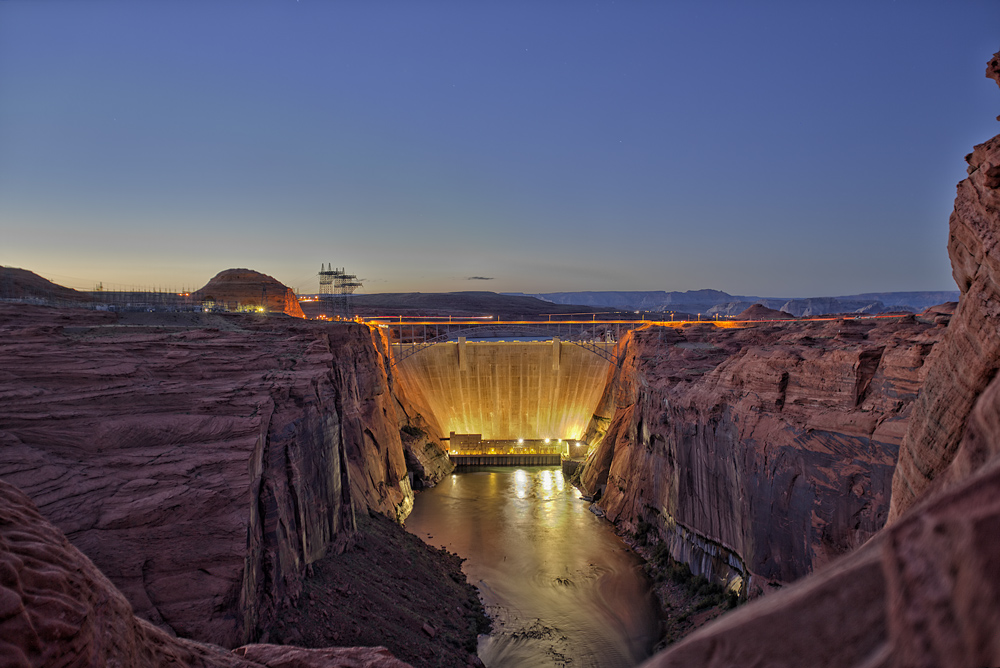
(529, 390)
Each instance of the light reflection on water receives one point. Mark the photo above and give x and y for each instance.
(561, 587)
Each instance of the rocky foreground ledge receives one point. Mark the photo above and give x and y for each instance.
(58, 609)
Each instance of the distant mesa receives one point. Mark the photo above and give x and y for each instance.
(247, 290)
(21, 284)
(761, 312)
(716, 302)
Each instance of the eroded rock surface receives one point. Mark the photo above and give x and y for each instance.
(922, 593)
(201, 468)
(765, 451)
(57, 608)
(938, 450)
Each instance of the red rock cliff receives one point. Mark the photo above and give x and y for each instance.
(923, 592)
(203, 462)
(939, 449)
(59, 609)
(765, 451)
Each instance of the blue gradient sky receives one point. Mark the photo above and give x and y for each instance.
(774, 148)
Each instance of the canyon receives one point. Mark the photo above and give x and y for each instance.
(208, 463)
(758, 454)
(173, 482)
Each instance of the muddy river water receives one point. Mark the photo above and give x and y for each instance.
(561, 588)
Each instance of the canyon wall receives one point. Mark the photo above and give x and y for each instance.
(510, 390)
(57, 608)
(202, 461)
(938, 449)
(759, 453)
(922, 593)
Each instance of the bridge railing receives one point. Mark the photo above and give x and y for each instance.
(409, 338)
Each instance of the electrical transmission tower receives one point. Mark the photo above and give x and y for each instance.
(335, 288)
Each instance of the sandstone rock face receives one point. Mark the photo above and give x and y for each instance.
(201, 468)
(57, 608)
(237, 289)
(923, 591)
(426, 455)
(921, 594)
(762, 452)
(427, 460)
(935, 451)
(56, 605)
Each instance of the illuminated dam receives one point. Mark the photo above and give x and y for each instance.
(512, 395)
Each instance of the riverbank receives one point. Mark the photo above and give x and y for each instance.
(390, 589)
(685, 601)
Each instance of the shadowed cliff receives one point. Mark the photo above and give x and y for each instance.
(59, 609)
(202, 461)
(757, 454)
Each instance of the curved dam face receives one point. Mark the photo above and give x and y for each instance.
(503, 391)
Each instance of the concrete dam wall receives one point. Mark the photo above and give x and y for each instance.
(530, 390)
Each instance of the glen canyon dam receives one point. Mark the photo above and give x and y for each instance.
(507, 391)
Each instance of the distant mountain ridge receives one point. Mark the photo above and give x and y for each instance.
(711, 302)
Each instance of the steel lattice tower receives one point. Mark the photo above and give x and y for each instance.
(335, 288)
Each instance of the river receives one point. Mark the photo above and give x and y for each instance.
(561, 588)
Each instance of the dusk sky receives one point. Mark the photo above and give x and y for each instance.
(791, 148)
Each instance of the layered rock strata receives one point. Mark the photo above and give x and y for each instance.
(202, 467)
(57, 608)
(938, 449)
(922, 593)
(762, 452)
